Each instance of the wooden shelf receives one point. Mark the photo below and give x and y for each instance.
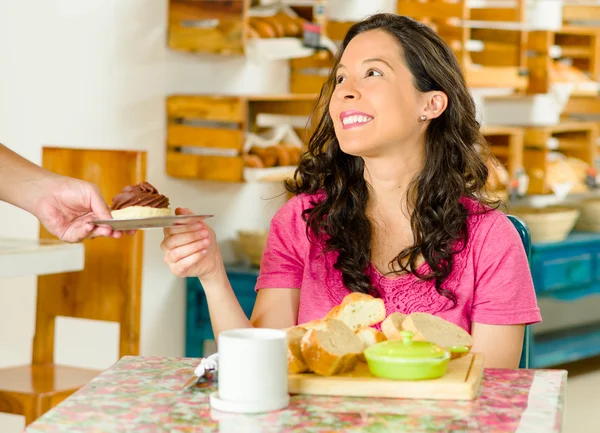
(575, 139)
(506, 144)
(206, 134)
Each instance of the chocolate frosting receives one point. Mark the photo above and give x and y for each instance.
(142, 194)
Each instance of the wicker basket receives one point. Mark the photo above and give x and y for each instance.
(252, 244)
(549, 224)
(589, 221)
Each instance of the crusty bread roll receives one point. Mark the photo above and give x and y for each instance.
(333, 350)
(427, 327)
(284, 157)
(291, 26)
(319, 324)
(369, 336)
(253, 161)
(392, 326)
(264, 28)
(296, 362)
(277, 25)
(359, 310)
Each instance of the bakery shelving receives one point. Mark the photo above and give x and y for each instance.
(570, 139)
(208, 26)
(581, 12)
(489, 37)
(307, 75)
(238, 27)
(506, 144)
(583, 108)
(206, 135)
(548, 50)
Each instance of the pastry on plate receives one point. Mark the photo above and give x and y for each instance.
(140, 201)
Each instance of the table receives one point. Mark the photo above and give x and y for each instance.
(145, 395)
(26, 257)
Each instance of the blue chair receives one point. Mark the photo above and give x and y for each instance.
(526, 238)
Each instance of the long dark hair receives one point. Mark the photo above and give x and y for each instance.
(453, 168)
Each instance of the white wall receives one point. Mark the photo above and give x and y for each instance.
(95, 73)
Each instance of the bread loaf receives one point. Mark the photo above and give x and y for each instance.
(428, 327)
(334, 349)
(264, 28)
(359, 310)
(296, 362)
(392, 326)
(369, 336)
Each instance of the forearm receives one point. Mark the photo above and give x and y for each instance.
(21, 181)
(223, 306)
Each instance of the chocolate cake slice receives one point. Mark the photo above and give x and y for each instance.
(140, 201)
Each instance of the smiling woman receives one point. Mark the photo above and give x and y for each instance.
(390, 201)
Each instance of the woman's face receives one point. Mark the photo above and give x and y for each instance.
(375, 107)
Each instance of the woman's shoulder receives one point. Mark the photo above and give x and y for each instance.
(485, 223)
(295, 206)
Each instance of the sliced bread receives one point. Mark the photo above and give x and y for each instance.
(392, 326)
(296, 362)
(428, 327)
(369, 336)
(358, 310)
(332, 350)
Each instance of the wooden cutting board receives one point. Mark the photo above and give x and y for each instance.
(461, 382)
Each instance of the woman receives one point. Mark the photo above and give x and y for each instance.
(390, 201)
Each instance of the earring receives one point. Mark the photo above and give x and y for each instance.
(423, 118)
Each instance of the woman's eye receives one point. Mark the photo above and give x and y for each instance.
(339, 80)
(373, 73)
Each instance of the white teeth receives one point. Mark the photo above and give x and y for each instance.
(356, 119)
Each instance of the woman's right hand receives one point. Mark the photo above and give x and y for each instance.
(191, 250)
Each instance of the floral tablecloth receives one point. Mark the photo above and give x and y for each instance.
(142, 395)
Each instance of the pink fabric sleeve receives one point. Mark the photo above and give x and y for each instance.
(282, 264)
(504, 292)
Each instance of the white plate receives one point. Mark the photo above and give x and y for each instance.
(152, 222)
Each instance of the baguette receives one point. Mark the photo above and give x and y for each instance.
(369, 336)
(358, 310)
(427, 327)
(392, 326)
(296, 362)
(334, 349)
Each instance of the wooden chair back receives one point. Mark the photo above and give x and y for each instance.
(109, 287)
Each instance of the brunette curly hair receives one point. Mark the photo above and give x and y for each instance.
(453, 169)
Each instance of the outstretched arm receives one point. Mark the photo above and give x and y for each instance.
(65, 206)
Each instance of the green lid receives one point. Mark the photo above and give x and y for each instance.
(406, 349)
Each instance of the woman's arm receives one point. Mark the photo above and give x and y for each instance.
(192, 250)
(501, 345)
(274, 308)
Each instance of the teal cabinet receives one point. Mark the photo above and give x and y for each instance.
(197, 322)
(566, 271)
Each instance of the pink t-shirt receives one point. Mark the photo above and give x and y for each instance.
(490, 277)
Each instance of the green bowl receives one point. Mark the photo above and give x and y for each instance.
(407, 359)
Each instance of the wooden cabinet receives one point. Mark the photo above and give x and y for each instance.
(575, 139)
(207, 26)
(206, 134)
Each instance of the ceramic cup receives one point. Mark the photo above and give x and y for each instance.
(253, 374)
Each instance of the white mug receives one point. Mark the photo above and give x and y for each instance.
(252, 371)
